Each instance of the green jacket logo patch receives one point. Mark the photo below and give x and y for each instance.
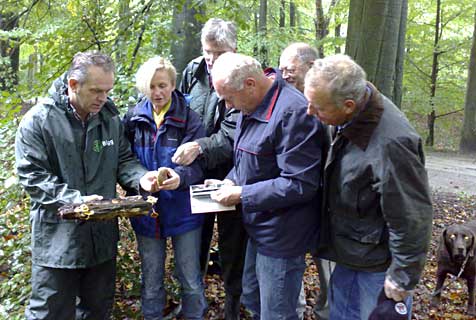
(98, 145)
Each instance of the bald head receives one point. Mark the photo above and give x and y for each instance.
(240, 81)
(295, 61)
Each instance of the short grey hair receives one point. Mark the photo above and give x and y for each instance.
(220, 32)
(147, 71)
(234, 68)
(301, 51)
(341, 75)
(83, 60)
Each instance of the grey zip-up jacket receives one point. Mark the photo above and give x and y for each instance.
(219, 122)
(58, 161)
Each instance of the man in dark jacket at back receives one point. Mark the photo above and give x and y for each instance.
(294, 62)
(215, 152)
(377, 216)
(71, 148)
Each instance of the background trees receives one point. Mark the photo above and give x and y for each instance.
(468, 135)
(437, 52)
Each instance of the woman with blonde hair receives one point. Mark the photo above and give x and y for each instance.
(156, 127)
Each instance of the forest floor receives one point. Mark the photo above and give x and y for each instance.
(453, 181)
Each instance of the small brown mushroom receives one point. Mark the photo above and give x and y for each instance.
(162, 175)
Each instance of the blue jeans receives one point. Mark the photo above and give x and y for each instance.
(271, 286)
(187, 269)
(353, 294)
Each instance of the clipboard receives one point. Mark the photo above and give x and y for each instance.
(201, 201)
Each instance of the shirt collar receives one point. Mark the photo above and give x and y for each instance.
(263, 109)
(78, 117)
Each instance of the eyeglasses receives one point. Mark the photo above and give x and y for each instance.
(287, 71)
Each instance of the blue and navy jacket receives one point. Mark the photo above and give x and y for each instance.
(155, 147)
(277, 161)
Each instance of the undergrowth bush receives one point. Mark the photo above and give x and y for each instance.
(15, 266)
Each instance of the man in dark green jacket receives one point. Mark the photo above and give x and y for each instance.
(71, 148)
(215, 152)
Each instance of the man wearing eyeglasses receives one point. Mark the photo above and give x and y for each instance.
(215, 153)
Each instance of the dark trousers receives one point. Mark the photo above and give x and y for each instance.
(232, 239)
(86, 293)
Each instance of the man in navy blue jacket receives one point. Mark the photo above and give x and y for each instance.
(275, 178)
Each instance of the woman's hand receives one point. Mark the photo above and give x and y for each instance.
(172, 182)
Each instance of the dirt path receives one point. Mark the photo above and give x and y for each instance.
(450, 172)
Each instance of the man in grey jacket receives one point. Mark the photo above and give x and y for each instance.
(215, 153)
(71, 148)
(377, 215)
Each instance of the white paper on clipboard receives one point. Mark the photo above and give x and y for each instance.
(201, 202)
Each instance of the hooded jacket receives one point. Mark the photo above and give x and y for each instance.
(378, 212)
(219, 122)
(155, 147)
(58, 161)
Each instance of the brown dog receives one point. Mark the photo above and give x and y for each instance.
(457, 246)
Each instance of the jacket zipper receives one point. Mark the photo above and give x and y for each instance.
(83, 151)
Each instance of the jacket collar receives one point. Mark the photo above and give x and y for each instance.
(201, 69)
(265, 109)
(175, 116)
(363, 125)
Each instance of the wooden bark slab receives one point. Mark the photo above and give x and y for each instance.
(108, 209)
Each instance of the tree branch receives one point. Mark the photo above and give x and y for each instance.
(418, 68)
(448, 113)
(27, 11)
(96, 39)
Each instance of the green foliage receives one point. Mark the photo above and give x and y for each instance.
(14, 233)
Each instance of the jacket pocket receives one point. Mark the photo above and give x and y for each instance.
(368, 200)
(43, 215)
(256, 161)
(361, 242)
(365, 231)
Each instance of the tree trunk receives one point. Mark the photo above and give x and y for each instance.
(282, 14)
(431, 117)
(321, 28)
(400, 58)
(186, 28)
(468, 135)
(9, 54)
(262, 25)
(124, 34)
(322, 25)
(375, 39)
(434, 77)
(292, 14)
(255, 43)
(337, 48)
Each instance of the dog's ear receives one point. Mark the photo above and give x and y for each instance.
(472, 248)
(445, 245)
